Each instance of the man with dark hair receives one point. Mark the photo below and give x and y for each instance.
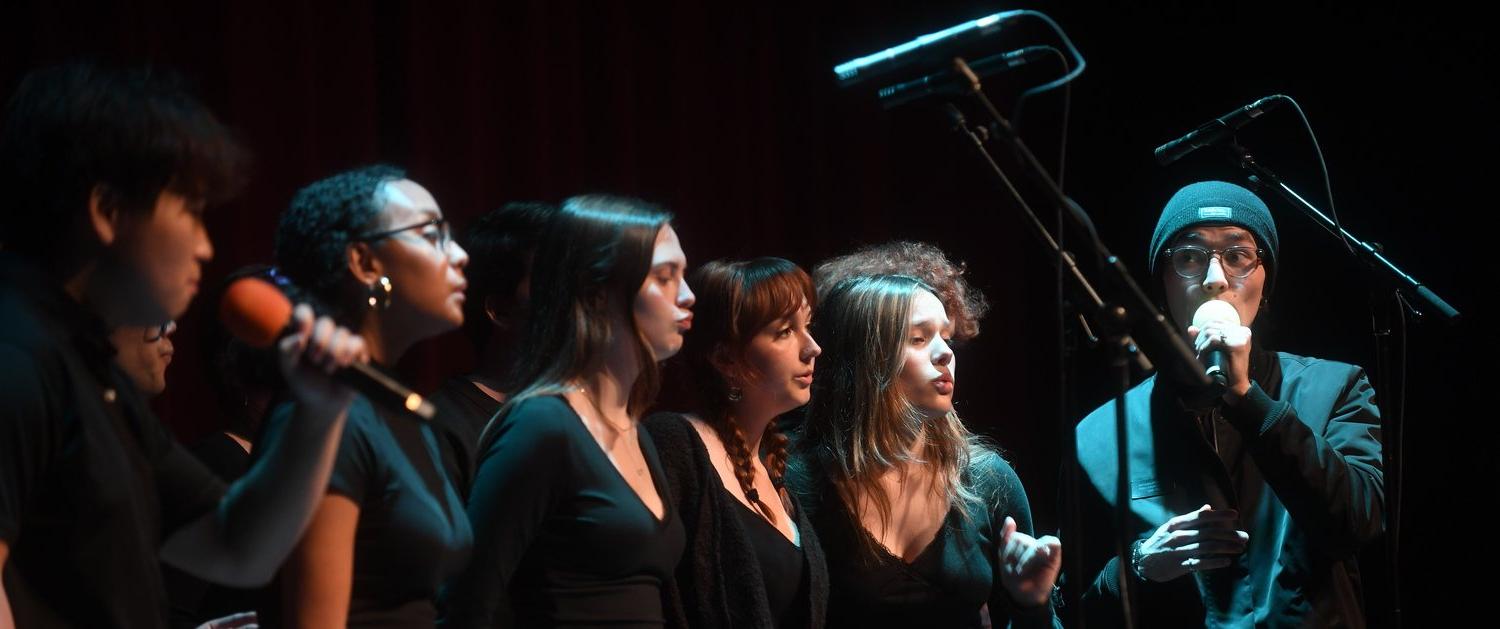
(107, 174)
(1248, 505)
(500, 246)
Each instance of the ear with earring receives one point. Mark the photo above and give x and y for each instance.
(729, 371)
(380, 294)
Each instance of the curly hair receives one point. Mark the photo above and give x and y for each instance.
(964, 303)
(323, 219)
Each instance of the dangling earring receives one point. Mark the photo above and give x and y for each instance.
(380, 294)
(735, 394)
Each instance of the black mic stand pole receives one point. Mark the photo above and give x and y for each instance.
(1390, 384)
(1260, 176)
(1083, 291)
(1123, 352)
(1136, 314)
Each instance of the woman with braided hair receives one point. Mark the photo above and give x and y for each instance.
(752, 559)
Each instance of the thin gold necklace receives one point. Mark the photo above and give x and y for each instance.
(600, 412)
(640, 470)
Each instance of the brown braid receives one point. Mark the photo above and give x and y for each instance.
(776, 444)
(736, 300)
(739, 455)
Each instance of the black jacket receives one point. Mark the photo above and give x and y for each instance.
(1300, 460)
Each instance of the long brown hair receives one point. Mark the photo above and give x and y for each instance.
(858, 424)
(595, 251)
(736, 300)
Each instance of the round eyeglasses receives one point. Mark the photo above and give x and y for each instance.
(158, 332)
(1191, 261)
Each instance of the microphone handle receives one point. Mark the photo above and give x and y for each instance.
(1214, 369)
(383, 389)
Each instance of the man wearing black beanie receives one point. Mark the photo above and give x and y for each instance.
(1248, 502)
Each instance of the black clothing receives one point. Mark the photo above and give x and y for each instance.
(560, 538)
(463, 411)
(412, 533)
(196, 601)
(1299, 458)
(949, 581)
(222, 454)
(724, 579)
(781, 564)
(91, 483)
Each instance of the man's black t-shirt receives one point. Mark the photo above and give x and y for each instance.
(90, 481)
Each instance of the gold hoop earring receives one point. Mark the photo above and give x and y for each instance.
(380, 294)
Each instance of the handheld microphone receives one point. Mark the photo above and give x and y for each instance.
(258, 314)
(1220, 313)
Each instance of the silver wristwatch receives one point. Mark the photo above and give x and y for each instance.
(1135, 559)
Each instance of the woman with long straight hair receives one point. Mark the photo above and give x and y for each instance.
(569, 506)
(753, 559)
(373, 249)
(923, 524)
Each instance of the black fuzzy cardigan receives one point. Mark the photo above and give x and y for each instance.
(718, 582)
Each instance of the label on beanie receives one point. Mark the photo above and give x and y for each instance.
(1215, 212)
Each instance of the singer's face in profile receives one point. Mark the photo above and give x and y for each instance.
(664, 305)
(164, 252)
(1184, 295)
(779, 363)
(424, 264)
(927, 370)
(143, 354)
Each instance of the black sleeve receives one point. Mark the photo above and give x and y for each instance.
(1330, 481)
(356, 465)
(522, 471)
(26, 439)
(223, 455)
(999, 482)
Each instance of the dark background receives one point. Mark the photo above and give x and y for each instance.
(728, 114)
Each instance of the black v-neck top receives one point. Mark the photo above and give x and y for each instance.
(560, 538)
(949, 581)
